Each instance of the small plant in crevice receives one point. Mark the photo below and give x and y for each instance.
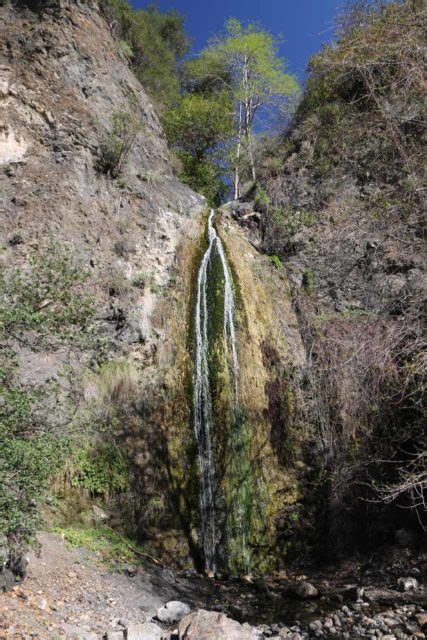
(275, 261)
(139, 280)
(308, 281)
(116, 145)
(117, 382)
(117, 282)
(123, 247)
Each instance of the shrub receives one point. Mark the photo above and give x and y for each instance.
(362, 392)
(117, 143)
(275, 261)
(31, 455)
(139, 280)
(124, 246)
(42, 308)
(280, 225)
(49, 296)
(308, 281)
(99, 468)
(261, 200)
(118, 284)
(371, 78)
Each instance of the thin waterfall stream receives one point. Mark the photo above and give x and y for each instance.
(203, 418)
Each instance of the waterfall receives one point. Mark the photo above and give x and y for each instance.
(202, 393)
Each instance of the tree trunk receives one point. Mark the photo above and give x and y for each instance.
(248, 119)
(236, 168)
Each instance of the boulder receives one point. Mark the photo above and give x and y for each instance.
(407, 584)
(7, 580)
(421, 618)
(144, 631)
(211, 625)
(173, 611)
(114, 635)
(98, 515)
(4, 551)
(305, 590)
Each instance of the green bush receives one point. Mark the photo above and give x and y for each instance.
(261, 200)
(100, 468)
(48, 297)
(204, 177)
(275, 261)
(154, 42)
(30, 456)
(280, 227)
(41, 308)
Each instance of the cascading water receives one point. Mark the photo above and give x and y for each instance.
(202, 393)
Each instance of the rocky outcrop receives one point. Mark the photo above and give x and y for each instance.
(342, 211)
(62, 80)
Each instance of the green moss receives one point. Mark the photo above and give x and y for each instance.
(308, 281)
(240, 493)
(275, 261)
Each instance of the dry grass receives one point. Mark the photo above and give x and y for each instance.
(117, 382)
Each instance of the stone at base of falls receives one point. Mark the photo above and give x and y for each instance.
(421, 618)
(211, 625)
(145, 631)
(7, 580)
(137, 631)
(305, 590)
(173, 611)
(407, 584)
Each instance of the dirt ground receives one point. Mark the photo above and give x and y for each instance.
(67, 593)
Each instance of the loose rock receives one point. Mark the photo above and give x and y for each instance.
(211, 625)
(173, 611)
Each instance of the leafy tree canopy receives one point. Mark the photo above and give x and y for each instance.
(154, 41)
(244, 63)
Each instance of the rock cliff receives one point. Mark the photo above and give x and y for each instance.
(117, 243)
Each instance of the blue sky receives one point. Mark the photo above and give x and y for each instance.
(304, 24)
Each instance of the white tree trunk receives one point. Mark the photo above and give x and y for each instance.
(238, 150)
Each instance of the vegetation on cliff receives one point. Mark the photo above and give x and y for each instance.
(340, 199)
